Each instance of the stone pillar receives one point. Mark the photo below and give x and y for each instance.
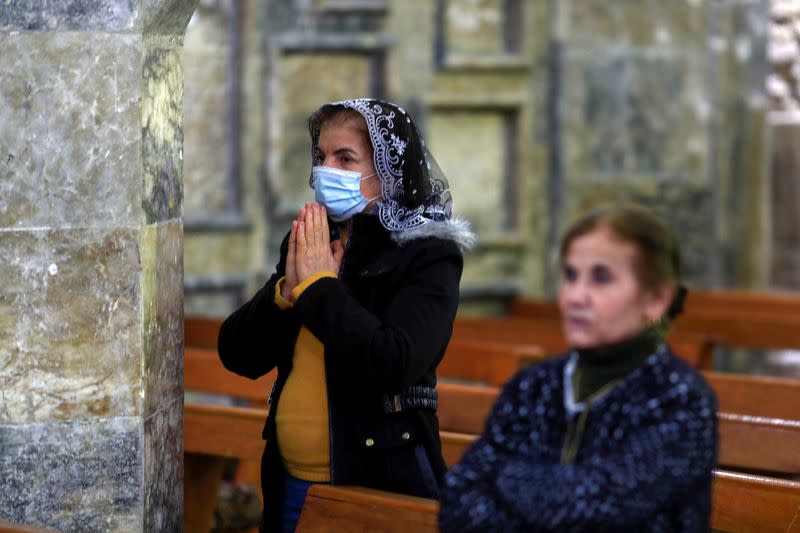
(91, 267)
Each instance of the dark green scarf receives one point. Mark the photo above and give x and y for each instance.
(598, 367)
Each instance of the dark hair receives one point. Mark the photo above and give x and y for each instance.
(657, 260)
(337, 114)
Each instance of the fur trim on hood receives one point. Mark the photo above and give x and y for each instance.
(457, 230)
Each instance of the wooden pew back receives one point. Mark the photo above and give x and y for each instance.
(486, 362)
(201, 332)
(742, 502)
(203, 372)
(333, 509)
(739, 503)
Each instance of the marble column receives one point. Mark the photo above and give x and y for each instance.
(91, 266)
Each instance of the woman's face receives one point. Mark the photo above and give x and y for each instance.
(601, 299)
(343, 144)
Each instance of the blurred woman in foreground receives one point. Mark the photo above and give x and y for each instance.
(617, 435)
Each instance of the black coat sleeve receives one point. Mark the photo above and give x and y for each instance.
(255, 337)
(495, 488)
(392, 352)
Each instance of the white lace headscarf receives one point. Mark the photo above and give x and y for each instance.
(414, 189)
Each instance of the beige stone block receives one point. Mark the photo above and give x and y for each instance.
(162, 131)
(306, 81)
(474, 27)
(638, 22)
(631, 113)
(70, 321)
(218, 253)
(69, 129)
(162, 314)
(469, 147)
(206, 113)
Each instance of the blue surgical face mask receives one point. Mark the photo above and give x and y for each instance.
(339, 191)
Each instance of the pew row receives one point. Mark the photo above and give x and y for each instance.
(755, 413)
(741, 503)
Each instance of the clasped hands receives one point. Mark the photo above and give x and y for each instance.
(310, 248)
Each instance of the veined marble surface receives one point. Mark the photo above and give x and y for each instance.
(73, 476)
(91, 264)
(162, 16)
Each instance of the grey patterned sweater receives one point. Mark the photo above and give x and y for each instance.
(644, 462)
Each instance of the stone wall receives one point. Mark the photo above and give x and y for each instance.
(783, 86)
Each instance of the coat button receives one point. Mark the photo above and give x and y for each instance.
(406, 435)
(369, 443)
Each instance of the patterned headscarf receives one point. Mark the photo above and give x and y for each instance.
(414, 188)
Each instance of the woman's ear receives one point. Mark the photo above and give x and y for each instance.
(658, 301)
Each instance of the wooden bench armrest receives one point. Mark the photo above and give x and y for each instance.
(742, 502)
(759, 443)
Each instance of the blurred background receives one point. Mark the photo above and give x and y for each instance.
(536, 110)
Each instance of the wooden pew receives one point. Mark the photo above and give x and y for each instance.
(744, 503)
(755, 403)
(203, 372)
(753, 409)
(740, 503)
(486, 362)
(201, 332)
(8, 527)
(212, 431)
(355, 509)
(210, 434)
(759, 422)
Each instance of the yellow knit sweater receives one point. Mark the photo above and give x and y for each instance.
(302, 417)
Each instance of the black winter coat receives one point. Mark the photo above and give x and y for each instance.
(644, 463)
(385, 324)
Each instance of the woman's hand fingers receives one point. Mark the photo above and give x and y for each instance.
(324, 230)
(308, 224)
(302, 243)
(290, 280)
(291, 268)
(315, 224)
(314, 250)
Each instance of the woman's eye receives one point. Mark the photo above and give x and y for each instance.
(601, 274)
(569, 274)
